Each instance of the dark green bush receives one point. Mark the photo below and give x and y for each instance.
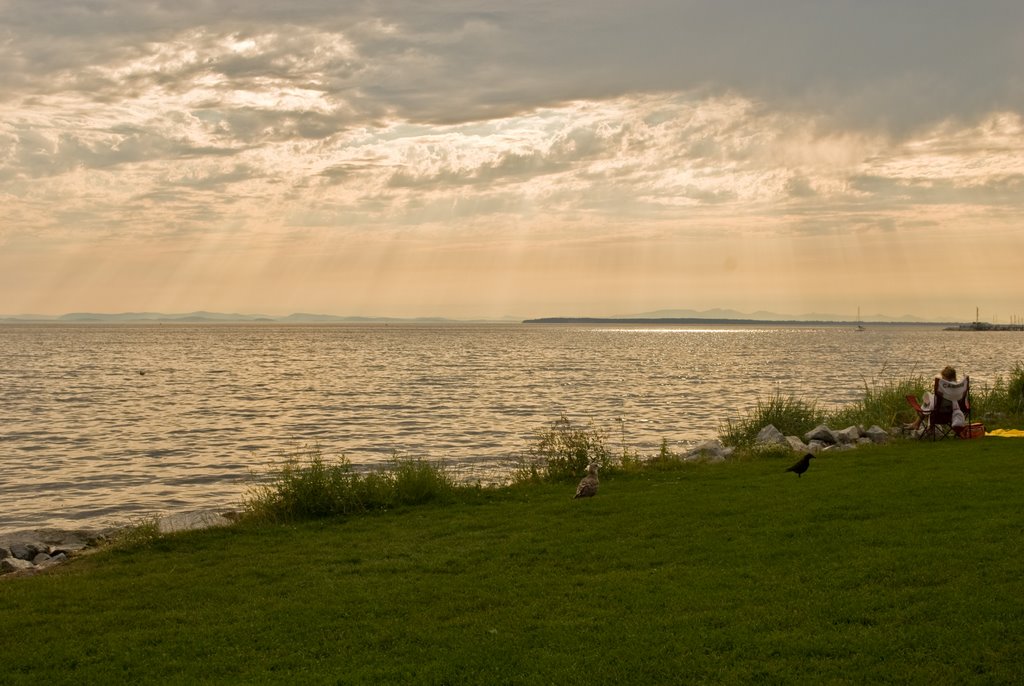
(1003, 403)
(564, 452)
(792, 416)
(884, 404)
(307, 486)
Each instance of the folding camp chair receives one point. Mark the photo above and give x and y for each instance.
(937, 422)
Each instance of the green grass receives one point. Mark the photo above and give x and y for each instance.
(885, 565)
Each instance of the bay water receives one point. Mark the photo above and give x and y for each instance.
(105, 425)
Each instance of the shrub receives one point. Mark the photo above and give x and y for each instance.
(307, 486)
(564, 452)
(884, 404)
(137, 535)
(790, 415)
(1003, 403)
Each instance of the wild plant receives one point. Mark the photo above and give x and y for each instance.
(884, 404)
(564, 451)
(787, 413)
(307, 486)
(1004, 401)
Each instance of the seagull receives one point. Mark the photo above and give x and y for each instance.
(802, 464)
(588, 485)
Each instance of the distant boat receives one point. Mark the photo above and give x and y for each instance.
(860, 324)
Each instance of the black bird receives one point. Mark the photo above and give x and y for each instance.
(801, 466)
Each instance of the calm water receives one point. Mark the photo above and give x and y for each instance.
(104, 425)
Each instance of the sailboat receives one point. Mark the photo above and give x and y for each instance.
(860, 324)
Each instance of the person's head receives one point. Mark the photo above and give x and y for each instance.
(948, 373)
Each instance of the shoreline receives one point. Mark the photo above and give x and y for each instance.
(30, 551)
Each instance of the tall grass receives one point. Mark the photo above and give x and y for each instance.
(790, 415)
(308, 486)
(1003, 403)
(564, 452)
(884, 404)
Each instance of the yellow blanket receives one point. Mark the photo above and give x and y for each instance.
(1006, 433)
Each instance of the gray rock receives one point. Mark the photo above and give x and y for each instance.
(69, 546)
(769, 435)
(848, 435)
(14, 564)
(708, 451)
(5, 552)
(816, 446)
(797, 445)
(55, 560)
(40, 557)
(187, 521)
(22, 551)
(877, 434)
(822, 434)
(839, 448)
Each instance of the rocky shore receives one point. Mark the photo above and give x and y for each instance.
(819, 439)
(36, 550)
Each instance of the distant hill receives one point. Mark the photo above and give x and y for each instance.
(202, 317)
(762, 315)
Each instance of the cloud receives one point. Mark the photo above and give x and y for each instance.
(901, 66)
(612, 128)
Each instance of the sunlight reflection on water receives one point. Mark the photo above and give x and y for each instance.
(105, 423)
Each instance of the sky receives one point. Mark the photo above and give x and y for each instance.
(472, 159)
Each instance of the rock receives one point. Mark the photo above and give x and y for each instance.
(186, 521)
(14, 564)
(877, 434)
(708, 451)
(816, 446)
(822, 434)
(848, 435)
(840, 448)
(55, 560)
(769, 435)
(5, 552)
(67, 549)
(797, 445)
(40, 557)
(22, 551)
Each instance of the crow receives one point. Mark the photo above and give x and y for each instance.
(588, 485)
(801, 466)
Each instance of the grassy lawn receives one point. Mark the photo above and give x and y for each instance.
(900, 564)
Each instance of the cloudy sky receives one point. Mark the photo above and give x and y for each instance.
(464, 158)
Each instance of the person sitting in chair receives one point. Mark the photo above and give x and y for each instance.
(928, 399)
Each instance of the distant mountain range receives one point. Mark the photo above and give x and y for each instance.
(307, 318)
(208, 317)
